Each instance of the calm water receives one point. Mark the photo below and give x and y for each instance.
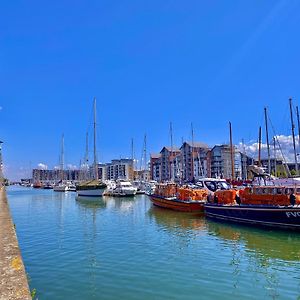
(125, 248)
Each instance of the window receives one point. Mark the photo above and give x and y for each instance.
(200, 184)
(279, 191)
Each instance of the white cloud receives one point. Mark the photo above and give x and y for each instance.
(42, 166)
(71, 167)
(283, 146)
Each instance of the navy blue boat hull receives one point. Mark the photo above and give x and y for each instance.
(287, 217)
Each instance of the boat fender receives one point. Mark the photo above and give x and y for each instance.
(216, 199)
(292, 199)
(238, 199)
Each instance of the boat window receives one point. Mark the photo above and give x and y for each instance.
(258, 191)
(210, 185)
(298, 190)
(250, 191)
(222, 185)
(200, 183)
(279, 191)
(274, 191)
(287, 191)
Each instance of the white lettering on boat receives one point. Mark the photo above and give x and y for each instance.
(294, 214)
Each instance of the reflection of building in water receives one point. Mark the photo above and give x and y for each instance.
(263, 251)
(270, 245)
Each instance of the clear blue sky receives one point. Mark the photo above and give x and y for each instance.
(148, 63)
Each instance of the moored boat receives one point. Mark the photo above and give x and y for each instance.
(95, 187)
(273, 206)
(61, 187)
(122, 188)
(186, 199)
(37, 185)
(92, 188)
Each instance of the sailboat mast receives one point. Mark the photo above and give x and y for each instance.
(298, 122)
(293, 135)
(193, 174)
(275, 159)
(145, 152)
(171, 140)
(267, 138)
(259, 146)
(231, 152)
(62, 157)
(95, 150)
(87, 149)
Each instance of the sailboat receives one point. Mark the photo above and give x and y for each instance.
(94, 187)
(61, 186)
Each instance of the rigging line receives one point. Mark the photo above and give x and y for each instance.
(285, 162)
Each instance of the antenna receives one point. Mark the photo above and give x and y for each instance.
(267, 138)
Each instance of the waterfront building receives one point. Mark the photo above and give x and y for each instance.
(194, 157)
(54, 175)
(119, 169)
(167, 157)
(221, 163)
(155, 167)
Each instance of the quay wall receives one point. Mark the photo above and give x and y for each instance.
(13, 279)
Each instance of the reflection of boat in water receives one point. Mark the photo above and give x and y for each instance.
(270, 244)
(120, 203)
(172, 220)
(89, 202)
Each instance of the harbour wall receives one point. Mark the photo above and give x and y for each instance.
(13, 279)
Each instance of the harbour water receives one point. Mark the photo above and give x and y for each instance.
(124, 248)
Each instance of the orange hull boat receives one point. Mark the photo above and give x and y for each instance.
(176, 204)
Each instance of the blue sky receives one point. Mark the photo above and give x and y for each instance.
(148, 63)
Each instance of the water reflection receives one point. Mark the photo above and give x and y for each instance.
(90, 203)
(269, 244)
(176, 221)
(123, 204)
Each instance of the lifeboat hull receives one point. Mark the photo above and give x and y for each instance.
(286, 217)
(179, 205)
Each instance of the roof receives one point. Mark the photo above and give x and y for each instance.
(196, 144)
(155, 155)
(173, 149)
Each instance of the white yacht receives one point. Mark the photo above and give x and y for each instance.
(61, 187)
(122, 188)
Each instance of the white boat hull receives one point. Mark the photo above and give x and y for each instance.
(90, 193)
(60, 189)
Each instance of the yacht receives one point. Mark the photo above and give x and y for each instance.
(94, 187)
(121, 189)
